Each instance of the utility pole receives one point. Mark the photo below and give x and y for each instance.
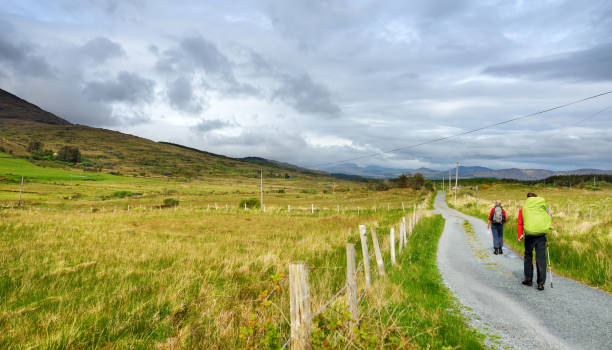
(20, 189)
(449, 179)
(261, 189)
(477, 196)
(456, 179)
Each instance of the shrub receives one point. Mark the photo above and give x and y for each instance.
(34, 146)
(309, 191)
(250, 203)
(69, 154)
(171, 202)
(42, 155)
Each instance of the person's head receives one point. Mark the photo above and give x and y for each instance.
(498, 202)
(531, 194)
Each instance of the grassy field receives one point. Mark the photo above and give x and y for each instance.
(78, 270)
(581, 240)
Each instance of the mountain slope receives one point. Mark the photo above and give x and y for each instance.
(13, 107)
(465, 172)
(115, 152)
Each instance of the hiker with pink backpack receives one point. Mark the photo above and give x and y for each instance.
(497, 219)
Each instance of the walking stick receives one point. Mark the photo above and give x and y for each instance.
(549, 265)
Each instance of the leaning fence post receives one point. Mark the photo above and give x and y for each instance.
(312, 208)
(403, 209)
(379, 259)
(363, 233)
(299, 306)
(392, 245)
(351, 283)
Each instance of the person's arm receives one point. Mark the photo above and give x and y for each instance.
(490, 218)
(505, 216)
(519, 225)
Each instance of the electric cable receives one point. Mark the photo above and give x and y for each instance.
(464, 132)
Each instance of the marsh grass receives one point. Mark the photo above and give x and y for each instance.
(85, 272)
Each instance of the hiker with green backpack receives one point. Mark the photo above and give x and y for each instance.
(534, 222)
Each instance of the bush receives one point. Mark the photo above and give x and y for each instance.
(171, 202)
(42, 155)
(309, 191)
(34, 146)
(250, 203)
(69, 154)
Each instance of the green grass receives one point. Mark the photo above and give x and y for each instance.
(12, 169)
(430, 305)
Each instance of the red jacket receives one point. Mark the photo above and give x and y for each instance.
(504, 218)
(519, 225)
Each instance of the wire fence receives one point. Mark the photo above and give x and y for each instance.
(301, 319)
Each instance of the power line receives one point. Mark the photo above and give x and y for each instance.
(467, 132)
(592, 116)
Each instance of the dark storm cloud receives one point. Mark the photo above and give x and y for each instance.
(101, 49)
(306, 96)
(592, 64)
(23, 57)
(127, 87)
(198, 57)
(196, 53)
(181, 96)
(206, 125)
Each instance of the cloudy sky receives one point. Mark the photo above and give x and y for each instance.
(313, 82)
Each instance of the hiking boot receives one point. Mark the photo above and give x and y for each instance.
(540, 286)
(527, 283)
(500, 251)
(496, 251)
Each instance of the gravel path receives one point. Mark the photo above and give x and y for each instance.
(568, 316)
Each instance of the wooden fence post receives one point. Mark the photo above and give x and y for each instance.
(379, 258)
(312, 208)
(392, 245)
(351, 283)
(401, 239)
(358, 210)
(289, 208)
(363, 233)
(299, 305)
(404, 231)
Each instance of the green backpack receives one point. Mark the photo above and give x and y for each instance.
(536, 219)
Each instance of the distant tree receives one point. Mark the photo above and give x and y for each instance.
(35, 146)
(69, 154)
(402, 181)
(418, 181)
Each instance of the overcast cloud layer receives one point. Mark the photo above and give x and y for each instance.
(312, 82)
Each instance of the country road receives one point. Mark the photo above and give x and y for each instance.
(568, 316)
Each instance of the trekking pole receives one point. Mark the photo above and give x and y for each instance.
(549, 265)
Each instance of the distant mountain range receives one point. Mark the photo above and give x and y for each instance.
(465, 172)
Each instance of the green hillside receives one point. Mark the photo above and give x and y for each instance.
(113, 152)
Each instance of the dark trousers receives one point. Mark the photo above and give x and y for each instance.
(498, 235)
(539, 244)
